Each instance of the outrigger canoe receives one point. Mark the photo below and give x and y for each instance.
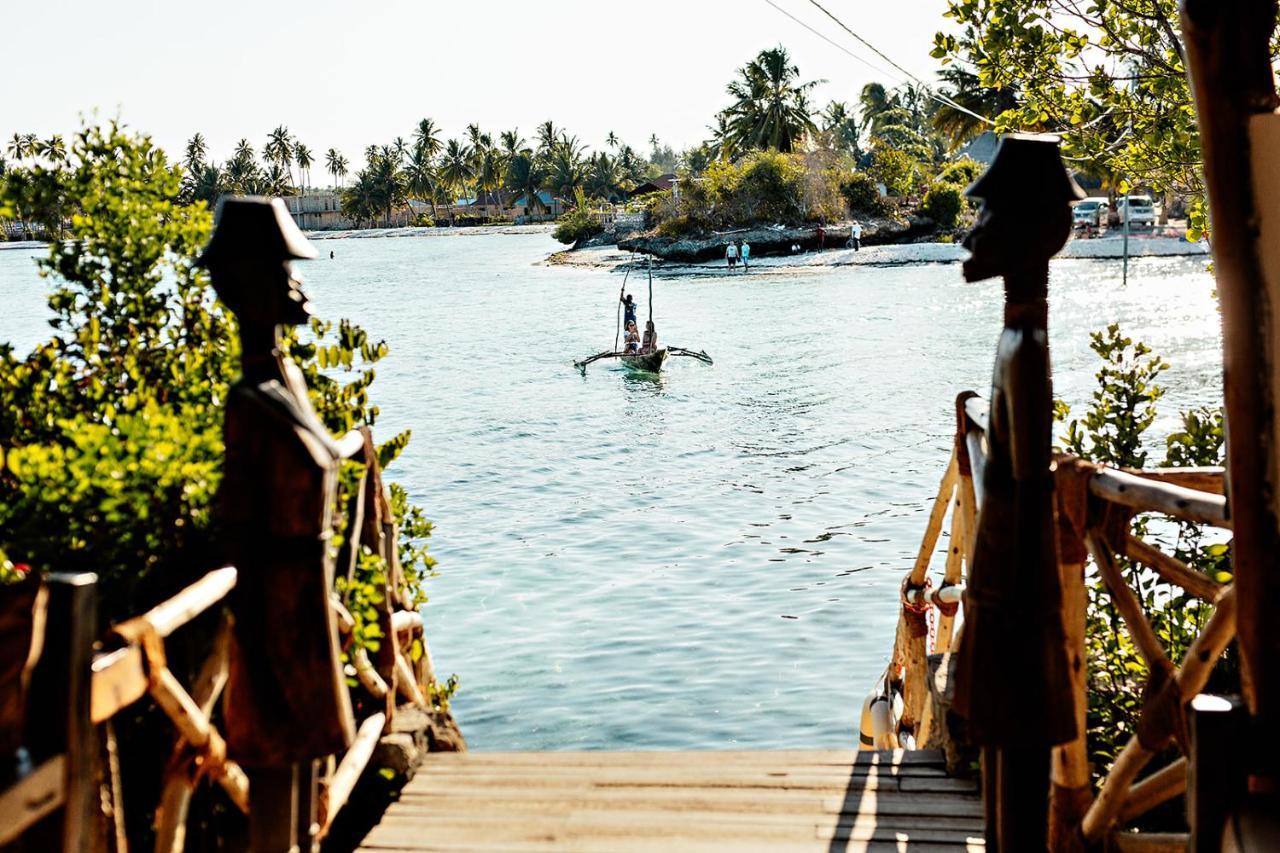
(650, 362)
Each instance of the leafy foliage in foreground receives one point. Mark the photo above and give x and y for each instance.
(1109, 77)
(111, 431)
(1114, 430)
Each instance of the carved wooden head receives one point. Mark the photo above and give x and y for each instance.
(249, 261)
(1025, 217)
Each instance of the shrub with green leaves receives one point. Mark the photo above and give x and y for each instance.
(961, 172)
(576, 226)
(861, 194)
(111, 431)
(1113, 431)
(897, 170)
(943, 203)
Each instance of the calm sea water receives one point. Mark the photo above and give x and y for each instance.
(709, 559)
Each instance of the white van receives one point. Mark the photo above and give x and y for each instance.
(1140, 210)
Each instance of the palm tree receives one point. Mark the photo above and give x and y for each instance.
(336, 164)
(302, 154)
(279, 149)
(387, 181)
(839, 122)
(525, 177)
(276, 181)
(370, 154)
(53, 149)
(964, 89)
(547, 136)
(400, 148)
(242, 173)
(455, 169)
(603, 177)
(426, 136)
(630, 167)
(873, 100)
(197, 149)
(611, 140)
(770, 109)
(510, 142)
(566, 174)
(22, 146)
(243, 150)
(420, 177)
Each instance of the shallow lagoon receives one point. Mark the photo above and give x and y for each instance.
(708, 559)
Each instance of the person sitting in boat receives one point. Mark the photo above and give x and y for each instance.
(633, 338)
(629, 311)
(650, 343)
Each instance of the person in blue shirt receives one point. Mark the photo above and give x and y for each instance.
(629, 311)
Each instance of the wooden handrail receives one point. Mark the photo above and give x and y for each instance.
(1171, 569)
(1197, 664)
(1145, 495)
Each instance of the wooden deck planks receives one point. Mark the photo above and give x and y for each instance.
(837, 800)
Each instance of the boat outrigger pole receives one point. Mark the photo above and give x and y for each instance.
(652, 357)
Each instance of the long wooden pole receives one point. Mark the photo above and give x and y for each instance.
(1227, 47)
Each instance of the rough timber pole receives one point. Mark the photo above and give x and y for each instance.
(1230, 63)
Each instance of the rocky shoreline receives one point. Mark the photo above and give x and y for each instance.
(610, 257)
(772, 240)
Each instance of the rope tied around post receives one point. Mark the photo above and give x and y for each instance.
(946, 608)
(916, 613)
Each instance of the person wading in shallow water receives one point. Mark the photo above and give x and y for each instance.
(744, 254)
(731, 254)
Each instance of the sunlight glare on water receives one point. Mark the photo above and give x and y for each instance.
(709, 558)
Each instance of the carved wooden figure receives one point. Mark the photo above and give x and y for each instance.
(286, 700)
(1012, 685)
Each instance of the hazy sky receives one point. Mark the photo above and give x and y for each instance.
(348, 74)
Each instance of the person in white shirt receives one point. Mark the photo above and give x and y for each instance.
(731, 254)
(855, 236)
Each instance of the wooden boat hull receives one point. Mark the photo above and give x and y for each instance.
(647, 363)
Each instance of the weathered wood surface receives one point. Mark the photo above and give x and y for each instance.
(723, 801)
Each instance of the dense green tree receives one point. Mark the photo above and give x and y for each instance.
(1108, 76)
(770, 110)
(525, 177)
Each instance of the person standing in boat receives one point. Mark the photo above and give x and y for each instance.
(628, 311)
(731, 254)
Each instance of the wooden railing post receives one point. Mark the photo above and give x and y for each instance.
(1217, 774)
(1069, 794)
(1229, 56)
(60, 689)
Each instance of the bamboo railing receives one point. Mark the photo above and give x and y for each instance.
(1096, 505)
(99, 679)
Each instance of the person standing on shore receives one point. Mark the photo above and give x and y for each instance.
(744, 252)
(822, 237)
(731, 254)
(855, 235)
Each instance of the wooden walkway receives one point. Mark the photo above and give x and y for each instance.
(839, 800)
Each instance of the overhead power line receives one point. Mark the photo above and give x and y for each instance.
(924, 86)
